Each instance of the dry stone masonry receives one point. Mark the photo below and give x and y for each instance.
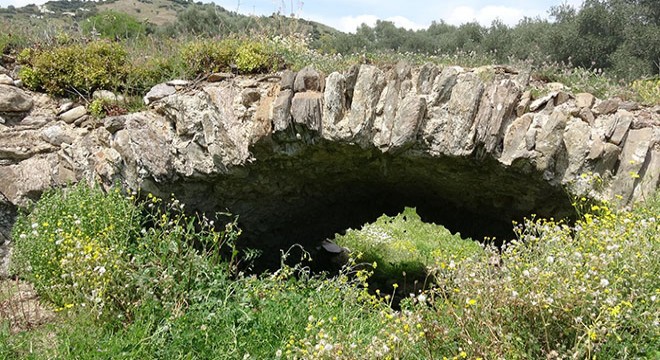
(301, 155)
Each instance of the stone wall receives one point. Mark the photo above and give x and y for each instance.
(301, 155)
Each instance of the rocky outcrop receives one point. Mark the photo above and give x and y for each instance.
(301, 155)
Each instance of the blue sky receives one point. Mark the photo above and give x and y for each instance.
(347, 15)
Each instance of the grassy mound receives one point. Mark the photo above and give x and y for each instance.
(146, 281)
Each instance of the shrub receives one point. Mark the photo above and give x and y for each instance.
(75, 69)
(403, 248)
(586, 291)
(71, 245)
(648, 91)
(206, 56)
(114, 25)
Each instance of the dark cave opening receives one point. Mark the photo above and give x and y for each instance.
(303, 194)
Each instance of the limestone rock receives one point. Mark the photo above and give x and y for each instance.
(107, 96)
(426, 78)
(158, 92)
(584, 100)
(6, 80)
(282, 110)
(334, 103)
(57, 135)
(287, 78)
(607, 106)
(633, 158)
(308, 79)
(306, 109)
(14, 100)
(216, 77)
(74, 114)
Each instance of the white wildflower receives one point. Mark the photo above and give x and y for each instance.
(604, 282)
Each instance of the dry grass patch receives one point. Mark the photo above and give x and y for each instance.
(20, 306)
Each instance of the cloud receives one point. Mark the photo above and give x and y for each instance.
(351, 23)
(485, 15)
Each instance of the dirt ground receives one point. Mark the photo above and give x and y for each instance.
(20, 305)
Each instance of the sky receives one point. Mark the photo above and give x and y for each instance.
(347, 15)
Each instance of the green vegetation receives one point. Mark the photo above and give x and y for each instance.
(139, 279)
(114, 25)
(602, 47)
(404, 247)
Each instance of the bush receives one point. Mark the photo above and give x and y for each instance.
(207, 56)
(586, 291)
(75, 69)
(114, 25)
(403, 248)
(648, 91)
(246, 56)
(71, 245)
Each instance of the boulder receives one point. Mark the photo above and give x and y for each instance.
(14, 100)
(6, 80)
(158, 92)
(308, 79)
(74, 114)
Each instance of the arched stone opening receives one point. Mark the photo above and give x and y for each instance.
(297, 193)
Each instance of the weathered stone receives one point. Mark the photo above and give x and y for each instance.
(426, 78)
(633, 158)
(555, 86)
(308, 79)
(249, 97)
(357, 124)
(586, 115)
(306, 109)
(114, 123)
(495, 113)
(216, 77)
(334, 103)
(65, 107)
(584, 100)
(14, 100)
(178, 83)
(19, 83)
(287, 78)
(107, 96)
(443, 85)
(650, 180)
(282, 110)
(4, 70)
(607, 106)
(629, 106)
(408, 118)
(6, 80)
(538, 103)
(515, 142)
(58, 135)
(523, 104)
(549, 141)
(299, 167)
(561, 98)
(74, 114)
(621, 126)
(158, 92)
(578, 143)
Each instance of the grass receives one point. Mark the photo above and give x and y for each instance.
(173, 289)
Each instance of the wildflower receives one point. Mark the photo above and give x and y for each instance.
(35, 225)
(22, 236)
(421, 298)
(525, 273)
(278, 353)
(550, 259)
(604, 282)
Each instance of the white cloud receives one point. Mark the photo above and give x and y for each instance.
(485, 15)
(351, 23)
